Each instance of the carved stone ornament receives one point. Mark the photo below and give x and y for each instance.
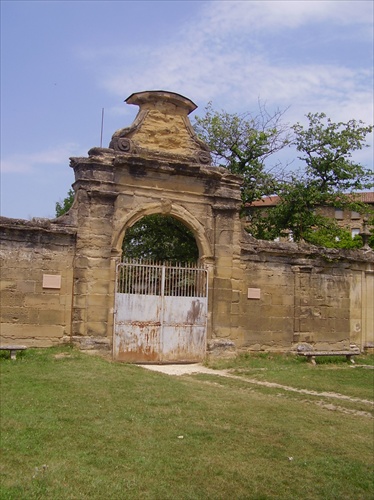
(124, 144)
(165, 206)
(204, 157)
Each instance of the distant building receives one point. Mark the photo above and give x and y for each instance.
(346, 219)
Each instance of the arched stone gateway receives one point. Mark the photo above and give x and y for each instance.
(59, 276)
(156, 166)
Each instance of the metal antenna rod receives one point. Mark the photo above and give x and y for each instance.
(102, 127)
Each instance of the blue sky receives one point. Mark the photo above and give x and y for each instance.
(63, 61)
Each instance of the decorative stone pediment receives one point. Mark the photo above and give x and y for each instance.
(161, 129)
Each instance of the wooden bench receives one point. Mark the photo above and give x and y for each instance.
(311, 355)
(13, 349)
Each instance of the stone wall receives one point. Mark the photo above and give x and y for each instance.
(36, 282)
(301, 294)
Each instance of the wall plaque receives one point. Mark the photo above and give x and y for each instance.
(51, 281)
(254, 293)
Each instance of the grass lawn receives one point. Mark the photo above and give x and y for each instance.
(75, 426)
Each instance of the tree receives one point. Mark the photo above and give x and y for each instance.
(243, 143)
(330, 179)
(327, 149)
(160, 238)
(63, 206)
(334, 238)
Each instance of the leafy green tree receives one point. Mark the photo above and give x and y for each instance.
(63, 206)
(243, 143)
(330, 179)
(327, 148)
(160, 238)
(334, 238)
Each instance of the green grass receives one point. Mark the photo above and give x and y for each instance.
(332, 374)
(77, 427)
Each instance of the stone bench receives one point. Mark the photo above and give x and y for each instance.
(13, 349)
(311, 355)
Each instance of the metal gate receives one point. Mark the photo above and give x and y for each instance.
(160, 313)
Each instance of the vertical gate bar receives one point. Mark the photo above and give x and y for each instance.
(117, 277)
(139, 270)
(171, 281)
(126, 277)
(162, 311)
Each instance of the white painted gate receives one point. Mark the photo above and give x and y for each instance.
(160, 313)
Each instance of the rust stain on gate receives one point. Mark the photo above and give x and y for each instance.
(160, 313)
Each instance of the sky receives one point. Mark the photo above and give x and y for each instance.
(63, 62)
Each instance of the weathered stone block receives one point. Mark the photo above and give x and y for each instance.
(17, 331)
(51, 317)
(221, 348)
(26, 286)
(97, 314)
(44, 300)
(14, 315)
(97, 328)
(9, 286)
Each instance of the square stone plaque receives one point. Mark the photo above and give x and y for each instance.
(254, 293)
(51, 281)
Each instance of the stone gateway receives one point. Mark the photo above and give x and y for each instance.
(58, 278)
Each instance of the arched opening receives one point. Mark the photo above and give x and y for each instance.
(161, 300)
(197, 230)
(161, 238)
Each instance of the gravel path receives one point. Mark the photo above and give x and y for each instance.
(182, 369)
(178, 370)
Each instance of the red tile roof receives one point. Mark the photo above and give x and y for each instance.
(271, 201)
(367, 197)
(266, 201)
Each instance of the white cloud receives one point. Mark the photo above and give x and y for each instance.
(27, 163)
(222, 16)
(218, 56)
(226, 57)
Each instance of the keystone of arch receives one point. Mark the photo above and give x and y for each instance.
(165, 207)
